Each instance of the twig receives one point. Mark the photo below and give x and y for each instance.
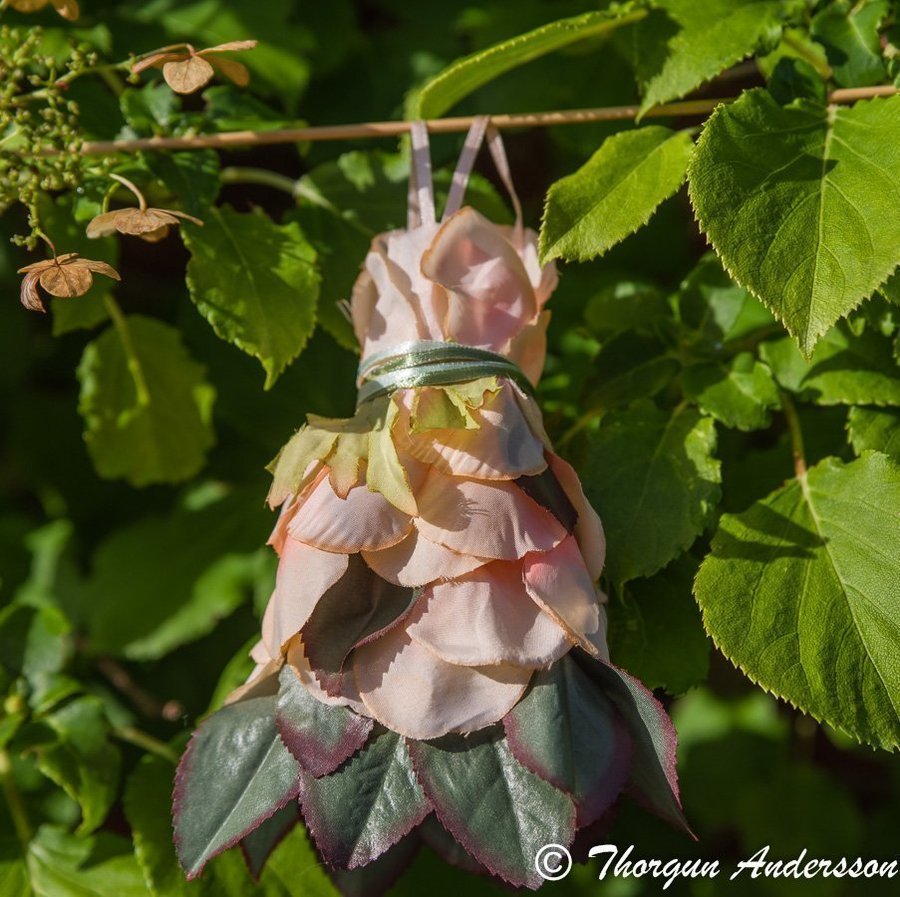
(230, 139)
(147, 704)
(142, 740)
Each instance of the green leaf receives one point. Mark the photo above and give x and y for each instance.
(83, 762)
(799, 203)
(799, 591)
(34, 642)
(653, 615)
(875, 429)
(844, 369)
(150, 109)
(654, 482)
(630, 366)
(567, 731)
(738, 394)
(145, 403)
(183, 572)
(258, 846)
(61, 865)
(234, 774)
(466, 75)
(497, 809)
(321, 736)
(624, 305)
(256, 283)
(614, 193)
(849, 33)
(369, 804)
(192, 177)
(682, 43)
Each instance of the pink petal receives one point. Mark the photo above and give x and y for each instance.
(363, 520)
(413, 692)
(262, 682)
(305, 573)
(415, 561)
(486, 617)
(543, 279)
(491, 296)
(494, 518)
(502, 448)
(528, 348)
(588, 530)
(560, 583)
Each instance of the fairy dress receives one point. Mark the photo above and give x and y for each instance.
(435, 645)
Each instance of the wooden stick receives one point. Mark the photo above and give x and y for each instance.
(231, 139)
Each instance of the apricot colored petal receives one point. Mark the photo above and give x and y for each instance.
(187, 75)
(416, 561)
(363, 521)
(304, 574)
(588, 529)
(349, 696)
(503, 446)
(234, 71)
(412, 691)
(528, 348)
(230, 46)
(102, 225)
(487, 617)
(560, 584)
(67, 281)
(155, 60)
(262, 682)
(487, 518)
(29, 294)
(99, 268)
(491, 297)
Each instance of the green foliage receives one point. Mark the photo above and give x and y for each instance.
(133, 569)
(774, 188)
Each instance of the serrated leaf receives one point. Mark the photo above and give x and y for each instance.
(653, 779)
(654, 482)
(321, 736)
(799, 591)
(235, 773)
(145, 402)
(193, 177)
(849, 33)
(875, 429)
(652, 615)
(799, 203)
(466, 75)
(256, 282)
(567, 731)
(739, 394)
(497, 809)
(844, 369)
(367, 806)
(630, 366)
(614, 193)
(682, 43)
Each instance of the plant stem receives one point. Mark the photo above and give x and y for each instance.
(134, 363)
(149, 705)
(793, 422)
(14, 802)
(141, 739)
(242, 175)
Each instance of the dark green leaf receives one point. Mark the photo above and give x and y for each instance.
(367, 806)
(235, 773)
(630, 366)
(192, 177)
(566, 731)
(256, 283)
(34, 642)
(875, 429)
(498, 810)
(653, 615)
(145, 404)
(257, 847)
(775, 189)
(799, 592)
(849, 33)
(614, 193)
(654, 482)
(624, 305)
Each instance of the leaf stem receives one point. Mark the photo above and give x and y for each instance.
(14, 802)
(134, 363)
(793, 422)
(244, 175)
(142, 739)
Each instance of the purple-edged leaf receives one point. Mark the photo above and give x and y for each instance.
(654, 778)
(319, 735)
(379, 876)
(257, 847)
(567, 731)
(367, 806)
(545, 489)
(448, 848)
(235, 773)
(358, 608)
(497, 809)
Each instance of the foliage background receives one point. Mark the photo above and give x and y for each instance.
(125, 604)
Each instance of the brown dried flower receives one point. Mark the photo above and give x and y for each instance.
(187, 70)
(65, 276)
(68, 9)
